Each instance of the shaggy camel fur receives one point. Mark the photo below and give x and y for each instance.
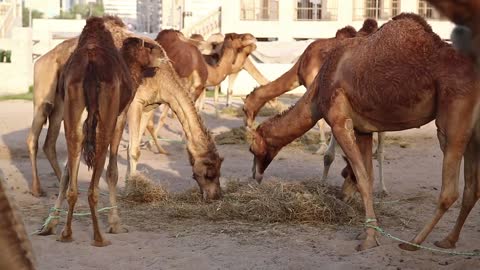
(47, 104)
(102, 80)
(466, 14)
(16, 247)
(413, 79)
(303, 73)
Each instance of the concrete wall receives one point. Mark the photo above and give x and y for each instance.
(286, 28)
(49, 32)
(17, 76)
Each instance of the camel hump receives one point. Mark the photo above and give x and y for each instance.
(416, 18)
(346, 32)
(369, 26)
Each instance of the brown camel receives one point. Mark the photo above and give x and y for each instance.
(303, 73)
(466, 14)
(48, 105)
(402, 76)
(102, 80)
(14, 242)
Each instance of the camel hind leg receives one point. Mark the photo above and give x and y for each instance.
(329, 157)
(231, 81)
(49, 147)
(453, 143)
(41, 112)
(380, 159)
(112, 177)
(471, 192)
(153, 134)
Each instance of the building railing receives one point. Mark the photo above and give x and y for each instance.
(259, 10)
(311, 10)
(375, 9)
(427, 11)
(209, 25)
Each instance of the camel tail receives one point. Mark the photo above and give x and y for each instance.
(90, 90)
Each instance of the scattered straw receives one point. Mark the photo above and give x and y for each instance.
(138, 188)
(306, 202)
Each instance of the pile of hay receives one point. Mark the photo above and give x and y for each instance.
(307, 202)
(138, 188)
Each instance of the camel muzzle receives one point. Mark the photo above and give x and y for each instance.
(256, 174)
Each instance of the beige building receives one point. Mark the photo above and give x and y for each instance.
(287, 20)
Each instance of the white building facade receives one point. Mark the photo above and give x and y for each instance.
(287, 20)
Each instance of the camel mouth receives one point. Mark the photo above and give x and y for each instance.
(250, 42)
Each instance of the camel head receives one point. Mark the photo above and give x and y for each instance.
(369, 27)
(466, 14)
(146, 53)
(206, 171)
(245, 43)
(263, 153)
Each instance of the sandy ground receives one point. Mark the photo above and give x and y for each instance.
(412, 169)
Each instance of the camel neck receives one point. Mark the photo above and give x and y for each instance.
(199, 141)
(218, 73)
(291, 124)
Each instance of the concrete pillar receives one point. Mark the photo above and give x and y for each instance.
(286, 15)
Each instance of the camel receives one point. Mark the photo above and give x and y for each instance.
(194, 70)
(102, 80)
(47, 104)
(303, 73)
(167, 88)
(14, 242)
(466, 14)
(402, 76)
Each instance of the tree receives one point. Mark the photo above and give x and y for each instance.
(26, 16)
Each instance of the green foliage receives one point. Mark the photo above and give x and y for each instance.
(85, 11)
(26, 16)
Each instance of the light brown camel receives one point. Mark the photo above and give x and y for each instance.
(402, 76)
(102, 80)
(46, 103)
(466, 14)
(14, 242)
(167, 88)
(303, 73)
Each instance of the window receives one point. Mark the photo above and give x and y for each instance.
(376, 9)
(316, 10)
(427, 11)
(259, 10)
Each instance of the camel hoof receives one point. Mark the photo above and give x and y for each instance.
(38, 192)
(49, 229)
(367, 244)
(102, 243)
(65, 239)
(116, 229)
(361, 236)
(408, 247)
(445, 243)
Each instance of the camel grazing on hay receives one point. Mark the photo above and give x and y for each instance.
(413, 79)
(466, 14)
(303, 73)
(47, 104)
(14, 242)
(102, 80)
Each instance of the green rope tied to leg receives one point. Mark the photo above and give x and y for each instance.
(75, 214)
(384, 233)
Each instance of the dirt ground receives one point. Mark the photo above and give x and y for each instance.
(412, 170)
